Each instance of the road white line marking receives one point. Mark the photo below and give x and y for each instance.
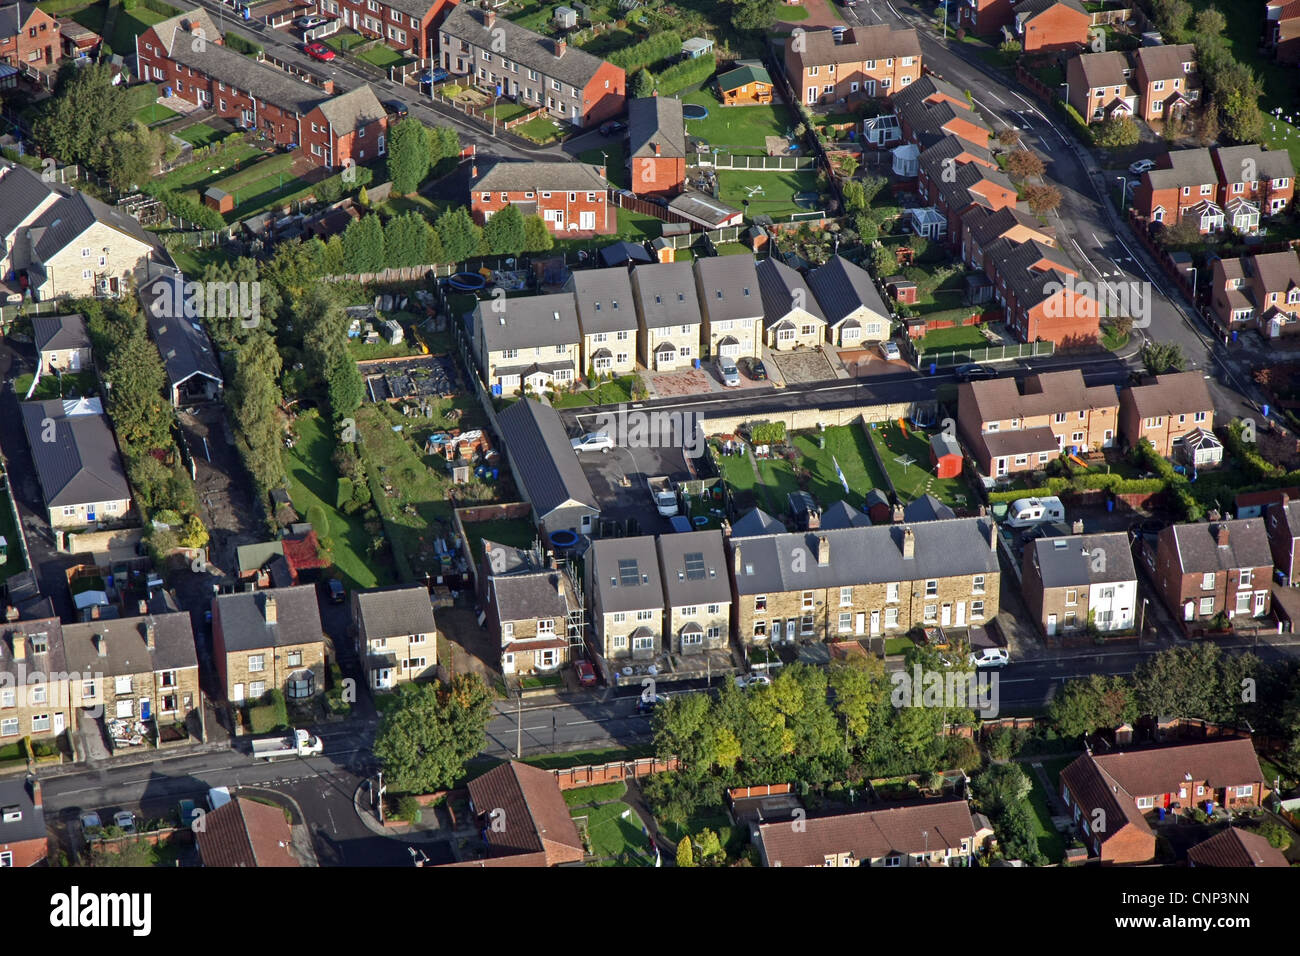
(996, 97)
(992, 113)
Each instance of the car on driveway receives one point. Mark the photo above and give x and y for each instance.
(90, 825)
(612, 128)
(754, 368)
(436, 75)
(890, 351)
(974, 372)
(728, 372)
(337, 593)
(753, 680)
(1138, 167)
(646, 703)
(306, 23)
(593, 441)
(586, 673)
(124, 820)
(318, 51)
(989, 657)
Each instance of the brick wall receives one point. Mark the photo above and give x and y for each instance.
(572, 778)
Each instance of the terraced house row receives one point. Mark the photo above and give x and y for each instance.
(187, 54)
(665, 316)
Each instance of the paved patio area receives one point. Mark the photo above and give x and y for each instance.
(806, 365)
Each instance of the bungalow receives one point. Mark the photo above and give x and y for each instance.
(188, 355)
(1235, 847)
(546, 468)
(793, 318)
(544, 833)
(937, 833)
(572, 198)
(245, 833)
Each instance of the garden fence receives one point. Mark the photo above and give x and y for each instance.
(992, 353)
(758, 163)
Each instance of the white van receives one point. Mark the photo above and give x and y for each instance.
(218, 797)
(1027, 512)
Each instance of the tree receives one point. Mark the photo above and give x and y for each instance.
(860, 687)
(252, 401)
(1024, 164)
(426, 739)
(1175, 127)
(1117, 132)
(504, 232)
(1207, 124)
(1001, 786)
(79, 119)
(1097, 702)
(363, 245)
(1184, 232)
(141, 416)
(132, 155)
(1161, 357)
(325, 346)
(460, 236)
(753, 16)
(1210, 23)
(1171, 17)
(685, 853)
(1042, 199)
(642, 84)
(709, 849)
(1242, 119)
(884, 261)
(1180, 682)
(135, 853)
(537, 235)
(1009, 137)
(406, 240)
(444, 143)
(409, 155)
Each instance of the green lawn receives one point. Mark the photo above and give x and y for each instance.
(738, 129)
(916, 479)
(313, 482)
(343, 41)
(615, 392)
(600, 793)
(199, 135)
(1050, 843)
(733, 838)
(952, 338)
(505, 112)
(383, 56)
(898, 645)
(155, 113)
(202, 173)
(83, 383)
(9, 531)
(791, 14)
(396, 205)
(613, 156)
(543, 130)
(846, 444)
(732, 249)
(581, 758)
(778, 191)
(614, 830)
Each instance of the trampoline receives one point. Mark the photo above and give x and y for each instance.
(693, 111)
(467, 282)
(563, 539)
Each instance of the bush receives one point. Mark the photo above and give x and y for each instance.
(1080, 128)
(767, 433)
(408, 809)
(242, 45)
(687, 73)
(344, 495)
(654, 49)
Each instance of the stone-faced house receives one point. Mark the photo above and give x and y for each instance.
(697, 588)
(35, 698)
(626, 598)
(396, 637)
(529, 605)
(668, 315)
(269, 640)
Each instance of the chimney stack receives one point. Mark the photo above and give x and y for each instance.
(897, 514)
(473, 171)
(94, 612)
(823, 550)
(20, 647)
(1077, 526)
(101, 645)
(559, 586)
(560, 47)
(909, 544)
(1221, 535)
(150, 635)
(11, 614)
(37, 800)
(271, 610)
(993, 536)
(739, 566)
(490, 19)
(142, 608)
(656, 149)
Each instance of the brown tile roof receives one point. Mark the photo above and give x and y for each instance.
(535, 816)
(998, 399)
(879, 42)
(1176, 394)
(1220, 763)
(1104, 69)
(1234, 847)
(1165, 62)
(1092, 788)
(246, 833)
(1277, 271)
(870, 835)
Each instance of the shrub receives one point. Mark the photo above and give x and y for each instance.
(408, 809)
(687, 73)
(654, 49)
(767, 433)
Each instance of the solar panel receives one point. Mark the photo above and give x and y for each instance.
(628, 574)
(694, 565)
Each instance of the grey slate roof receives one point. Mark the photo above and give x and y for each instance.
(783, 290)
(354, 109)
(394, 612)
(1105, 69)
(1269, 163)
(528, 49)
(666, 296)
(243, 618)
(1198, 550)
(529, 322)
(703, 208)
(1188, 167)
(927, 508)
(841, 514)
(1020, 441)
(731, 287)
(756, 521)
(125, 649)
(54, 660)
(655, 120)
(841, 287)
(537, 176)
(703, 580)
(534, 434)
(82, 464)
(927, 87)
(57, 332)
(604, 297)
(529, 594)
(21, 193)
(71, 215)
(873, 554)
(15, 792)
(1072, 560)
(183, 344)
(614, 593)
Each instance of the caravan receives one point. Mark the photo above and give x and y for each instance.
(1027, 512)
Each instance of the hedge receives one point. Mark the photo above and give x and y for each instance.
(648, 52)
(242, 45)
(687, 73)
(1081, 129)
(1056, 487)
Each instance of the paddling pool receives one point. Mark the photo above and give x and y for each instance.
(467, 282)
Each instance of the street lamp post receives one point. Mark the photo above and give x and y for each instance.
(1123, 193)
(1067, 91)
(1193, 268)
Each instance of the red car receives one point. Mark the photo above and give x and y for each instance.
(586, 673)
(318, 51)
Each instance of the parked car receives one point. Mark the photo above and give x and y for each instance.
(90, 825)
(753, 680)
(973, 372)
(645, 704)
(1138, 167)
(436, 75)
(188, 811)
(593, 441)
(318, 51)
(890, 351)
(124, 820)
(395, 108)
(337, 594)
(612, 128)
(990, 657)
(307, 22)
(728, 372)
(586, 673)
(754, 368)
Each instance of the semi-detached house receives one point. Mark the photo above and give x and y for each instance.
(1080, 581)
(80, 470)
(35, 696)
(607, 320)
(570, 84)
(572, 198)
(1203, 570)
(859, 63)
(730, 301)
(269, 640)
(794, 318)
(1101, 86)
(530, 342)
(1165, 409)
(28, 37)
(697, 591)
(856, 315)
(1257, 291)
(626, 597)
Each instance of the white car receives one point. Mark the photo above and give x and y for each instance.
(593, 441)
(1141, 166)
(306, 23)
(890, 351)
(753, 680)
(728, 372)
(990, 657)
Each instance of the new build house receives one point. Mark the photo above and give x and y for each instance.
(501, 56)
(860, 62)
(1102, 85)
(527, 343)
(625, 594)
(395, 634)
(1167, 80)
(546, 468)
(1165, 409)
(668, 314)
(1257, 292)
(794, 317)
(607, 320)
(855, 313)
(730, 305)
(1047, 25)
(697, 591)
(79, 468)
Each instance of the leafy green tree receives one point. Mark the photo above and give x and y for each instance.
(406, 240)
(252, 401)
(685, 853)
(459, 234)
(753, 16)
(332, 263)
(425, 741)
(1242, 119)
(860, 687)
(141, 416)
(363, 245)
(444, 144)
(325, 346)
(132, 155)
(1161, 357)
(884, 261)
(1001, 786)
(1096, 702)
(1180, 682)
(709, 849)
(1117, 132)
(641, 84)
(409, 155)
(1211, 23)
(537, 237)
(504, 232)
(78, 120)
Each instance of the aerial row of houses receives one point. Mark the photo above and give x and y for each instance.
(667, 316)
(1218, 187)
(1040, 26)
(1151, 83)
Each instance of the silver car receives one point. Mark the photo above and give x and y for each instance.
(593, 441)
(728, 372)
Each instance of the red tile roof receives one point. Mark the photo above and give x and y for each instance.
(303, 553)
(870, 834)
(246, 833)
(533, 819)
(1235, 847)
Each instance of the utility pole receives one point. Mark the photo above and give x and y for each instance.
(519, 724)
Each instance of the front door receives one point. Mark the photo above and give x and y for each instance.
(508, 663)
(1189, 610)
(1051, 625)
(1001, 467)
(559, 219)
(875, 623)
(58, 724)
(945, 615)
(790, 629)
(860, 623)
(776, 632)
(238, 695)
(961, 613)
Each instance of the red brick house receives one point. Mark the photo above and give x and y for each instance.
(523, 818)
(926, 120)
(1043, 294)
(1164, 409)
(403, 24)
(1045, 25)
(1257, 291)
(1283, 520)
(1186, 178)
(1282, 30)
(1115, 797)
(1235, 847)
(1203, 570)
(347, 129)
(571, 84)
(982, 227)
(244, 833)
(572, 198)
(1166, 80)
(29, 36)
(656, 146)
(983, 17)
(1264, 177)
(1101, 85)
(22, 823)
(861, 63)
